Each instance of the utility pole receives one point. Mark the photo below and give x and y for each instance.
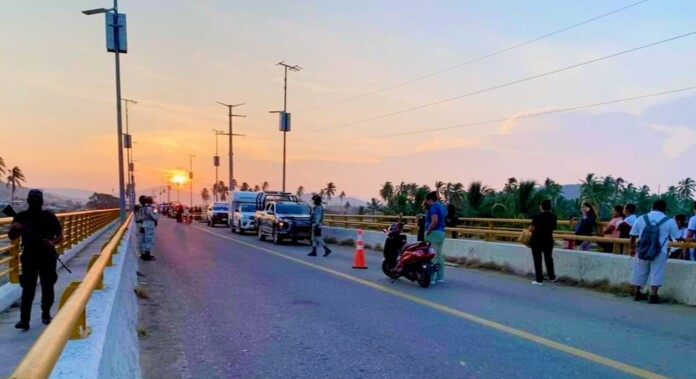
(230, 134)
(284, 122)
(191, 179)
(216, 160)
(128, 145)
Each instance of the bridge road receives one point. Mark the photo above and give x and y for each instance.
(229, 306)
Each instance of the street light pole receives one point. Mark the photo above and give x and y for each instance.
(230, 134)
(285, 109)
(191, 180)
(129, 157)
(117, 47)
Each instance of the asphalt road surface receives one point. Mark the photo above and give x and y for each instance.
(229, 306)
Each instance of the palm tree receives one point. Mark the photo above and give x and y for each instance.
(374, 205)
(387, 192)
(257, 188)
(342, 196)
(440, 186)
(265, 186)
(2, 168)
(346, 206)
(475, 196)
(526, 197)
(300, 191)
(510, 186)
(223, 190)
(14, 180)
(245, 187)
(552, 189)
(205, 195)
(322, 193)
(234, 184)
(685, 189)
(330, 190)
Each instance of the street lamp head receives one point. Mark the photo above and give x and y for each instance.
(91, 12)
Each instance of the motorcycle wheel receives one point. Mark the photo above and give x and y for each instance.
(423, 279)
(387, 271)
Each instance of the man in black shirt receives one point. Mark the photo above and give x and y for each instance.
(41, 232)
(543, 225)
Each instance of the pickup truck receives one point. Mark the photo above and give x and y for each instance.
(218, 213)
(243, 218)
(283, 220)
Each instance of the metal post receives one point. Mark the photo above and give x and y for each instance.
(191, 180)
(216, 166)
(121, 180)
(230, 182)
(285, 109)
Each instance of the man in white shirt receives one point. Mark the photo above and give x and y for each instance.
(655, 269)
(691, 233)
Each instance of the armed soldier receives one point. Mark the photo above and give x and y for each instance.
(41, 232)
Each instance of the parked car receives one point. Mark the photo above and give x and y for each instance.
(218, 213)
(244, 218)
(284, 220)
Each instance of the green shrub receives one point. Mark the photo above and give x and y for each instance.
(330, 240)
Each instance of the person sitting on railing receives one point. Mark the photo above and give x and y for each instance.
(680, 253)
(587, 224)
(41, 232)
(612, 229)
(691, 233)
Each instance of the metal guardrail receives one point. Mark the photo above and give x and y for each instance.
(488, 229)
(77, 226)
(70, 321)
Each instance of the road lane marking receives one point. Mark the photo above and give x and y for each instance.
(461, 314)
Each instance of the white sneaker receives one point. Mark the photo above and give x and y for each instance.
(440, 281)
(537, 283)
(433, 282)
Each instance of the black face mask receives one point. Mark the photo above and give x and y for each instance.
(35, 203)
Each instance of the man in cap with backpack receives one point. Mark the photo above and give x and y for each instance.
(653, 231)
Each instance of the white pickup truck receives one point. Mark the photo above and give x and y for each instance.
(243, 211)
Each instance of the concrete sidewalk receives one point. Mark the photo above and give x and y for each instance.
(14, 344)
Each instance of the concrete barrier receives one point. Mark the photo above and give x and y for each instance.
(111, 349)
(680, 276)
(10, 293)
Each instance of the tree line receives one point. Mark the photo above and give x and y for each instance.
(520, 199)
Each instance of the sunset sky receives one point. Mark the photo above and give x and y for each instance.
(57, 97)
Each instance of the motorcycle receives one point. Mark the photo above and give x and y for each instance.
(412, 261)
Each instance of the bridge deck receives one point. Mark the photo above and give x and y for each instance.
(228, 306)
(14, 344)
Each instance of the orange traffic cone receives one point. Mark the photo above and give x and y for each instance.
(359, 259)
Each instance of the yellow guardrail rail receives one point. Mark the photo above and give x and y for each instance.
(77, 226)
(489, 229)
(70, 322)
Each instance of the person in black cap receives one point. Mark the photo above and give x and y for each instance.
(41, 232)
(316, 219)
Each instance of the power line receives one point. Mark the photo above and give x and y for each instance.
(530, 115)
(483, 57)
(478, 92)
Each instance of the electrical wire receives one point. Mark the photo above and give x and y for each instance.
(483, 57)
(530, 115)
(508, 84)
